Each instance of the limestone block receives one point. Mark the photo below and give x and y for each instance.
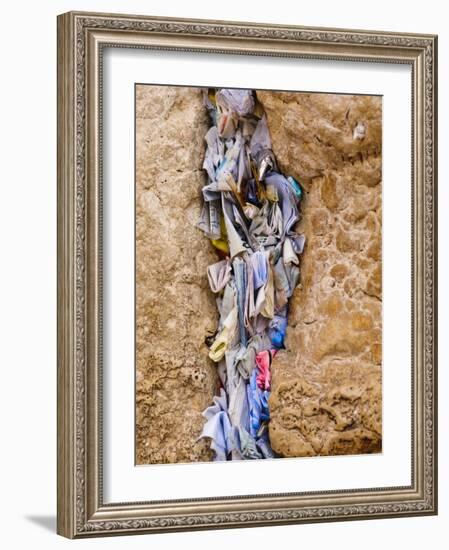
(326, 394)
(175, 380)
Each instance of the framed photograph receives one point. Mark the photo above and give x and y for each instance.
(247, 314)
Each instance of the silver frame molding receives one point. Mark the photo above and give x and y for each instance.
(81, 39)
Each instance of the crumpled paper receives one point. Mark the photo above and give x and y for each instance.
(249, 214)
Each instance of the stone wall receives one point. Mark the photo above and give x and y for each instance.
(175, 381)
(326, 390)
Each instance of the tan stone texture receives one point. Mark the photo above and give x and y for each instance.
(326, 390)
(175, 380)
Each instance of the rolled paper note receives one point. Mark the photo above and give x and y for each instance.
(289, 255)
(218, 275)
(236, 100)
(278, 328)
(263, 362)
(225, 336)
(296, 187)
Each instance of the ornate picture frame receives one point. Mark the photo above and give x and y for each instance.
(82, 38)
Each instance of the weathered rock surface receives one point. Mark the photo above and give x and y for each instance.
(175, 380)
(326, 387)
